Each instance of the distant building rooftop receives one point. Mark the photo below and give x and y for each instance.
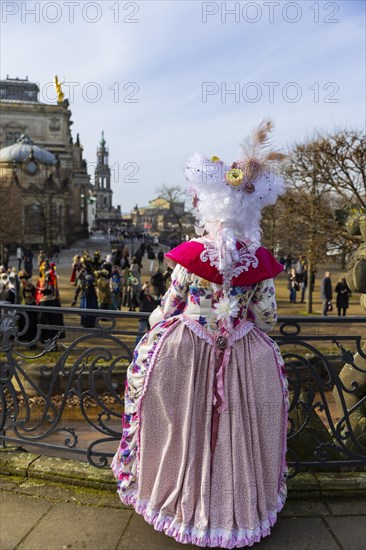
(17, 89)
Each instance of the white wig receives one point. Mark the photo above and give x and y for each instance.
(234, 205)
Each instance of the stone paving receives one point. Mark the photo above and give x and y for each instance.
(37, 514)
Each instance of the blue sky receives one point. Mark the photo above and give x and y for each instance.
(302, 63)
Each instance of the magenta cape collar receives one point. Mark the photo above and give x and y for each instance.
(188, 255)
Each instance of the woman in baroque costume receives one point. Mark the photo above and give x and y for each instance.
(202, 454)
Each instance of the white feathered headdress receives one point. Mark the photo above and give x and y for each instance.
(231, 197)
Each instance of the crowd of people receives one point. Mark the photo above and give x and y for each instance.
(100, 283)
(24, 256)
(298, 281)
(16, 287)
(116, 281)
(16, 283)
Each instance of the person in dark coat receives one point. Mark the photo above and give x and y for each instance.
(147, 304)
(5, 258)
(50, 299)
(20, 257)
(161, 259)
(116, 287)
(151, 256)
(343, 294)
(88, 297)
(288, 262)
(28, 261)
(28, 298)
(326, 292)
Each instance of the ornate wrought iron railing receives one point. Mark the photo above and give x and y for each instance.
(62, 383)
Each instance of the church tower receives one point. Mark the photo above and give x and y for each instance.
(102, 180)
(105, 214)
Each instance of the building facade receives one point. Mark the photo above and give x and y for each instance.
(46, 127)
(167, 219)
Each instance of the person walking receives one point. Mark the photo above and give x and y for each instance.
(203, 449)
(15, 284)
(20, 257)
(151, 256)
(304, 283)
(343, 295)
(5, 257)
(116, 287)
(288, 262)
(326, 293)
(292, 285)
(28, 261)
(125, 266)
(85, 287)
(161, 260)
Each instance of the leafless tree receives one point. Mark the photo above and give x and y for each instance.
(174, 194)
(307, 205)
(11, 218)
(323, 174)
(342, 163)
(43, 216)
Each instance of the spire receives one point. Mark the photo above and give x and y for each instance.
(102, 140)
(102, 150)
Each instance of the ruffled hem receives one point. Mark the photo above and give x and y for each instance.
(190, 534)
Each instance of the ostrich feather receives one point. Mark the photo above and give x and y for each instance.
(276, 156)
(260, 134)
(257, 152)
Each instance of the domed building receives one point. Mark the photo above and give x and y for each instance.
(36, 177)
(42, 167)
(23, 149)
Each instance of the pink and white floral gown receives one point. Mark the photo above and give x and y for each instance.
(202, 454)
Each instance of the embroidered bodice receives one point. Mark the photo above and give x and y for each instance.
(196, 298)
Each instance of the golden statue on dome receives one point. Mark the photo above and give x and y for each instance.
(60, 94)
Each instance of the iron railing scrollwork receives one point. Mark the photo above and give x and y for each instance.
(62, 389)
